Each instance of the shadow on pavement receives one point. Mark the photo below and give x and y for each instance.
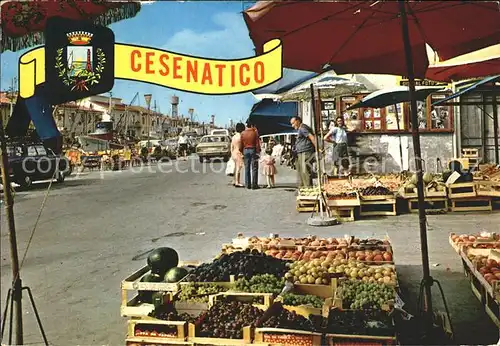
(470, 323)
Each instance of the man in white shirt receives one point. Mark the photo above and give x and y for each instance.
(338, 137)
(183, 145)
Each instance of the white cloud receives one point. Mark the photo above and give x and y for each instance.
(229, 40)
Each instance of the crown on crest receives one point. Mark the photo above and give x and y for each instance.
(79, 37)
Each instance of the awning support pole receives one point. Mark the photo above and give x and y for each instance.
(427, 279)
(495, 127)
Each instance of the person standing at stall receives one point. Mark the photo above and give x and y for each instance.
(338, 137)
(250, 147)
(305, 148)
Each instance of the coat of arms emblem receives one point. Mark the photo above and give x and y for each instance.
(77, 68)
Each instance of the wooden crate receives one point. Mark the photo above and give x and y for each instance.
(431, 203)
(144, 341)
(132, 286)
(427, 194)
(365, 340)
(490, 305)
(344, 202)
(488, 188)
(462, 190)
(176, 330)
(376, 197)
(193, 336)
(287, 337)
(243, 297)
(307, 205)
(344, 214)
(385, 207)
(471, 204)
(195, 309)
(322, 291)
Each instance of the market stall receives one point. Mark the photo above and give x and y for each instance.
(480, 254)
(267, 291)
(458, 190)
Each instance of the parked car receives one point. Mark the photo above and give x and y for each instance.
(33, 162)
(214, 146)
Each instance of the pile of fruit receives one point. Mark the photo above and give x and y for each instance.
(337, 187)
(365, 295)
(490, 269)
(479, 241)
(264, 283)
(156, 331)
(319, 272)
(359, 322)
(290, 254)
(329, 243)
(227, 319)
(343, 195)
(198, 292)
(299, 299)
(241, 264)
(369, 256)
(309, 191)
(167, 312)
(163, 263)
(375, 191)
(284, 319)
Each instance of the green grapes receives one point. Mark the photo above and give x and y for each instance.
(199, 293)
(362, 295)
(265, 283)
(298, 299)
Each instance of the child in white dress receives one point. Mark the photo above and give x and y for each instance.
(268, 168)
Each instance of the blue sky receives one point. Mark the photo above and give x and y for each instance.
(212, 29)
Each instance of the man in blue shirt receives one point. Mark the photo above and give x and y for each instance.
(305, 148)
(338, 136)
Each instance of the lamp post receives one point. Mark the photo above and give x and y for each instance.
(147, 98)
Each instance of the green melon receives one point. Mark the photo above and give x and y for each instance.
(175, 274)
(162, 259)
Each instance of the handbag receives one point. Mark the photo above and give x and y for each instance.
(230, 167)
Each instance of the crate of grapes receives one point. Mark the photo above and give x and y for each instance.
(359, 327)
(225, 323)
(193, 297)
(280, 326)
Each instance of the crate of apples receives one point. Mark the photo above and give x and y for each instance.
(490, 270)
(367, 256)
(284, 254)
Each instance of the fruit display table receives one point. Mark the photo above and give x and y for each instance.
(253, 294)
(480, 254)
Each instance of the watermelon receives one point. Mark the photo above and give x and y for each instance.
(175, 274)
(160, 260)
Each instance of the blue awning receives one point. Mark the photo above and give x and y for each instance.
(272, 117)
(269, 107)
(291, 78)
(469, 89)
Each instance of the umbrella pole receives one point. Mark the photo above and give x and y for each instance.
(15, 293)
(427, 279)
(318, 167)
(399, 135)
(495, 127)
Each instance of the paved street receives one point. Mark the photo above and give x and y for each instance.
(96, 229)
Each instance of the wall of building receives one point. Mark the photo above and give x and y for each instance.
(380, 153)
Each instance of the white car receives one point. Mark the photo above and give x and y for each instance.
(213, 146)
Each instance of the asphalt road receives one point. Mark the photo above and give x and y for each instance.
(96, 228)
